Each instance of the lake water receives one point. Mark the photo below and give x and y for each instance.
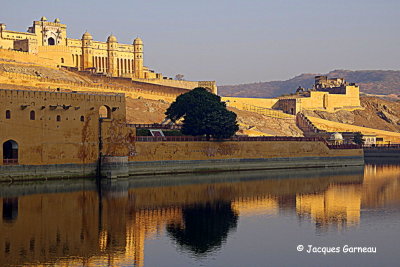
(225, 219)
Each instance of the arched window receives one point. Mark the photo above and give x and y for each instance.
(104, 112)
(10, 152)
(62, 60)
(32, 115)
(82, 118)
(58, 118)
(8, 114)
(51, 41)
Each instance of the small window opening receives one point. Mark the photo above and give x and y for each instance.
(32, 115)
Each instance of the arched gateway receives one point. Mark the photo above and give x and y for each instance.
(10, 152)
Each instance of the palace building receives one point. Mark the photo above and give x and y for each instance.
(48, 40)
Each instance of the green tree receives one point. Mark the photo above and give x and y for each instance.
(203, 113)
(358, 138)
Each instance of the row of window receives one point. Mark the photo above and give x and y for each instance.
(32, 116)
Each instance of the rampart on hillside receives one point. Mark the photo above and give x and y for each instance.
(120, 85)
(26, 57)
(329, 95)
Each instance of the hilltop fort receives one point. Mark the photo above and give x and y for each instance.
(73, 107)
(49, 41)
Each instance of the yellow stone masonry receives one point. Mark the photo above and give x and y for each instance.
(47, 43)
(155, 151)
(330, 96)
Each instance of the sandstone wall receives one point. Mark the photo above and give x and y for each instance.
(239, 102)
(56, 127)
(183, 84)
(19, 56)
(169, 151)
(135, 89)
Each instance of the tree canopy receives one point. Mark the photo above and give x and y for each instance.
(358, 138)
(203, 113)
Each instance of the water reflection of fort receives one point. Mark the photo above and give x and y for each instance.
(85, 228)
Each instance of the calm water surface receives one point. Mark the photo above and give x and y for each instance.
(225, 219)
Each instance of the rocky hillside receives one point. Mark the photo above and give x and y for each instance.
(378, 114)
(142, 110)
(370, 81)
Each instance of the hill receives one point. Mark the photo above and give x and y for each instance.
(377, 113)
(148, 106)
(143, 105)
(378, 82)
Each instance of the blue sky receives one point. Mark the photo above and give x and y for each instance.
(234, 41)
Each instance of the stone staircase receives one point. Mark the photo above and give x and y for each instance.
(308, 128)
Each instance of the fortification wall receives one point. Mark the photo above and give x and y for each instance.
(134, 90)
(57, 127)
(289, 105)
(6, 43)
(19, 56)
(7, 37)
(239, 102)
(173, 157)
(343, 102)
(316, 100)
(136, 83)
(331, 126)
(61, 55)
(166, 151)
(183, 84)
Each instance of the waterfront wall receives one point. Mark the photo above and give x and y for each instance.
(191, 166)
(167, 151)
(44, 172)
(172, 157)
(184, 157)
(60, 128)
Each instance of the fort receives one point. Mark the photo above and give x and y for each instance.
(69, 134)
(64, 114)
(328, 94)
(48, 42)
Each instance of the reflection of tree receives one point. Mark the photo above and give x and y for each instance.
(205, 227)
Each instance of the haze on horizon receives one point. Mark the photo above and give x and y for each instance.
(232, 41)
